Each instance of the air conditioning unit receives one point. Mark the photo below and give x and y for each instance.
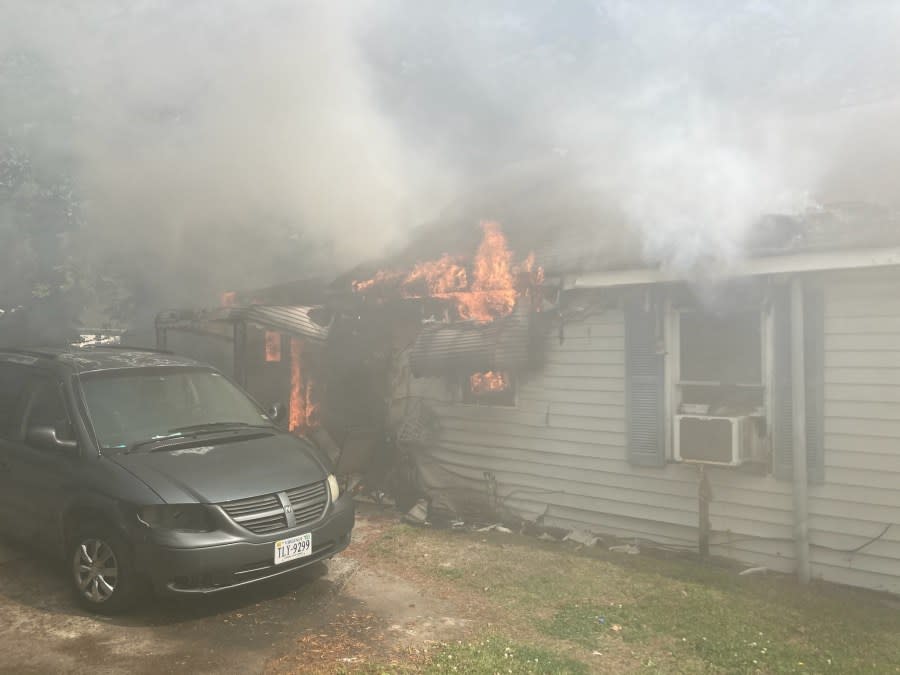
(706, 439)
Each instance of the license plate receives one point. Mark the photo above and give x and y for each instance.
(293, 548)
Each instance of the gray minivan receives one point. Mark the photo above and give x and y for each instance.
(138, 466)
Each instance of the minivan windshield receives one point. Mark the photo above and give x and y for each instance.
(129, 407)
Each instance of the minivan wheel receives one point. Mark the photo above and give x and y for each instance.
(101, 570)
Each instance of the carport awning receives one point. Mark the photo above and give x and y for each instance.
(308, 322)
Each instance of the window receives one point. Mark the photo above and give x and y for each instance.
(720, 362)
(273, 346)
(47, 408)
(721, 389)
(12, 393)
(489, 388)
(721, 350)
(132, 405)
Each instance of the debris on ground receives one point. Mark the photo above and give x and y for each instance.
(496, 527)
(630, 549)
(418, 514)
(753, 570)
(346, 639)
(582, 537)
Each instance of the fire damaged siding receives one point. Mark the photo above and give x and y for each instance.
(560, 455)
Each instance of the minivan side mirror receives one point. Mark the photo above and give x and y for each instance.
(276, 412)
(45, 438)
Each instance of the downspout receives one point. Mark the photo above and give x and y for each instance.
(798, 407)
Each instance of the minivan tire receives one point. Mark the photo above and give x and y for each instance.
(101, 569)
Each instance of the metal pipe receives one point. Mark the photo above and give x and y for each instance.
(705, 497)
(798, 407)
(162, 343)
(240, 353)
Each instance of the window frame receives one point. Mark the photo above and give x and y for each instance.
(680, 311)
(41, 380)
(673, 385)
(22, 405)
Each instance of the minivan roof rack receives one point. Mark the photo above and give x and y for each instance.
(39, 353)
(129, 348)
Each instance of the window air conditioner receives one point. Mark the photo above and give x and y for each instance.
(705, 439)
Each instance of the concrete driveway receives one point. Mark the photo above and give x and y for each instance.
(42, 630)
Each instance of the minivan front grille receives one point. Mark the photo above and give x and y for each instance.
(266, 513)
(258, 514)
(308, 502)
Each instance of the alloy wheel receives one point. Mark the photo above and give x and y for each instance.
(96, 570)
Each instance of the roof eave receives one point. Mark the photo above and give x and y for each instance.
(766, 265)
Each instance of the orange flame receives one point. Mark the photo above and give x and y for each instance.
(228, 299)
(495, 286)
(303, 411)
(483, 383)
(381, 277)
(273, 346)
(439, 277)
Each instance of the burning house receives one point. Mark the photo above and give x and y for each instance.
(748, 412)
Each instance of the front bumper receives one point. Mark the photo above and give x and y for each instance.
(243, 560)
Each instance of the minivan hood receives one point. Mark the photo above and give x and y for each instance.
(221, 467)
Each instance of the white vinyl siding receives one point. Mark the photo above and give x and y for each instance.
(561, 451)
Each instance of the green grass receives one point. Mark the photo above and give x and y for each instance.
(497, 655)
(653, 614)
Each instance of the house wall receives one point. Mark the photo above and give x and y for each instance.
(561, 451)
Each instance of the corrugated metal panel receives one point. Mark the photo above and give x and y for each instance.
(504, 345)
(295, 320)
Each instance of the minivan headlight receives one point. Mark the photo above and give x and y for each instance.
(178, 517)
(333, 488)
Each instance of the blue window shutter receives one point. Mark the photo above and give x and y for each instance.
(814, 366)
(644, 384)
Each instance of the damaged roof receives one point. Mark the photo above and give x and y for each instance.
(309, 322)
(837, 227)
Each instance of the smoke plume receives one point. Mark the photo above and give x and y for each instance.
(216, 145)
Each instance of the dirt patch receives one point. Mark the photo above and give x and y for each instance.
(382, 616)
(323, 617)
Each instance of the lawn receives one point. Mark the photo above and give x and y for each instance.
(542, 607)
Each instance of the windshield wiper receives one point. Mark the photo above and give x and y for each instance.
(182, 433)
(214, 426)
(155, 439)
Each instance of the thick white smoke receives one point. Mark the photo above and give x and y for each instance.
(234, 143)
(221, 144)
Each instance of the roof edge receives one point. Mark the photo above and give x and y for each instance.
(781, 264)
